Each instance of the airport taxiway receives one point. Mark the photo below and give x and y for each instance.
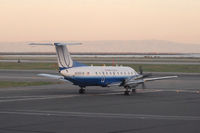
(166, 106)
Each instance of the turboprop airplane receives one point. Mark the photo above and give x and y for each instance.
(105, 76)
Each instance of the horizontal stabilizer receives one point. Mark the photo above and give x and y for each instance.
(41, 44)
(62, 44)
(57, 44)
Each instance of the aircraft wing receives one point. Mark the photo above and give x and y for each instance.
(58, 77)
(51, 76)
(159, 78)
(140, 81)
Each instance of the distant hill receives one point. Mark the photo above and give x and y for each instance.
(130, 46)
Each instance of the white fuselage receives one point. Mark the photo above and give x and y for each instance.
(99, 71)
(97, 75)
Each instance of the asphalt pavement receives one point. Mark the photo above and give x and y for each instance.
(165, 106)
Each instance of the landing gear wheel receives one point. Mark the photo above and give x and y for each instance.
(127, 93)
(81, 91)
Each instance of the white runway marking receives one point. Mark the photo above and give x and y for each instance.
(100, 115)
(27, 88)
(28, 98)
(181, 90)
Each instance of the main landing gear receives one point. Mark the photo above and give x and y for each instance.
(81, 90)
(128, 91)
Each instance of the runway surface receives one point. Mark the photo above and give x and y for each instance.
(166, 106)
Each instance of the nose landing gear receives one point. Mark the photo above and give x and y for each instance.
(128, 91)
(81, 90)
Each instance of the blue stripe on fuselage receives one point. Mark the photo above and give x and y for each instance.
(95, 81)
(75, 64)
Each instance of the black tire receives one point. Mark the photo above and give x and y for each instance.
(81, 91)
(126, 93)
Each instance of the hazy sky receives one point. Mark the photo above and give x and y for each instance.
(49, 20)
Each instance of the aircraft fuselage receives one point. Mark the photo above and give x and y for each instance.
(97, 75)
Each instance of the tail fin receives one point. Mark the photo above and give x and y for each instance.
(64, 58)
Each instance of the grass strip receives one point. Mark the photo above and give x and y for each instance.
(146, 67)
(28, 66)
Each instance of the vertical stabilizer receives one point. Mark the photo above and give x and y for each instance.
(63, 56)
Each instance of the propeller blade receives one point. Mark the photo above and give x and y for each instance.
(140, 70)
(143, 86)
(147, 75)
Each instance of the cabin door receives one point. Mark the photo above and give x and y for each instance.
(103, 78)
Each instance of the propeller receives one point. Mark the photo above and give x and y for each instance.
(138, 79)
(143, 86)
(143, 76)
(140, 70)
